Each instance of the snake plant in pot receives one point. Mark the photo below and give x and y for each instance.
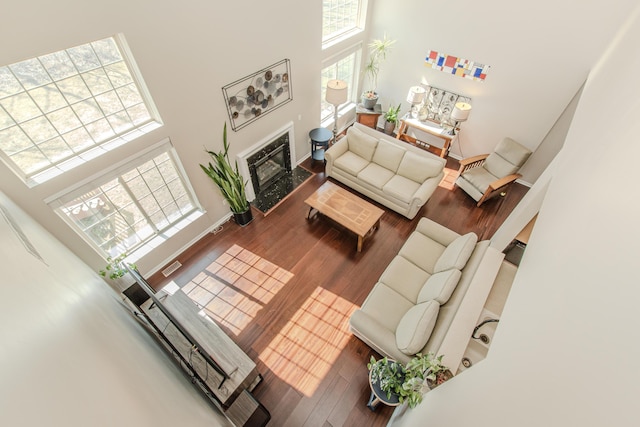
(229, 181)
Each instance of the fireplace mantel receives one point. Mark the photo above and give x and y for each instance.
(243, 165)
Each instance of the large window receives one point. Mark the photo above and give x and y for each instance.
(126, 208)
(62, 109)
(343, 69)
(341, 17)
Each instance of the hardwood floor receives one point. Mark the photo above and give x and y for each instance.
(283, 288)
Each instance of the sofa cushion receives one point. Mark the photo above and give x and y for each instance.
(440, 286)
(375, 175)
(404, 277)
(457, 253)
(419, 168)
(388, 155)
(386, 305)
(361, 144)
(422, 251)
(416, 326)
(350, 163)
(401, 188)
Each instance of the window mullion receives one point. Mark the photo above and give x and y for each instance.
(137, 203)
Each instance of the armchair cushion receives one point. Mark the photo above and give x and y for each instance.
(498, 166)
(440, 286)
(512, 151)
(457, 253)
(479, 178)
(416, 326)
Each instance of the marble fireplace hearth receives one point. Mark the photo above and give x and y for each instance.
(280, 189)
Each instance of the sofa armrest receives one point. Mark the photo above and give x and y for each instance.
(437, 232)
(376, 336)
(335, 151)
(422, 195)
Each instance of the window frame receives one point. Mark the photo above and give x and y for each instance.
(92, 149)
(57, 201)
(339, 36)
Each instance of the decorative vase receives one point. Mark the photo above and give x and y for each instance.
(243, 218)
(369, 100)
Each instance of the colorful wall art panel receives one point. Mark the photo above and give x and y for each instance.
(456, 66)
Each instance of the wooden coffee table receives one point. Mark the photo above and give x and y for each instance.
(346, 209)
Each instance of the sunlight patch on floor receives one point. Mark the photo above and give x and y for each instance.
(450, 176)
(235, 287)
(308, 345)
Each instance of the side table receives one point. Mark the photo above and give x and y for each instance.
(368, 117)
(320, 138)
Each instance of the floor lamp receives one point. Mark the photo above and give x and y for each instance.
(336, 95)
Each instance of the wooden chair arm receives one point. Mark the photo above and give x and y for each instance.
(498, 184)
(472, 162)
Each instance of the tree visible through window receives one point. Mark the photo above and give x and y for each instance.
(120, 212)
(62, 109)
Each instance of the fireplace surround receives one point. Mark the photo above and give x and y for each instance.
(269, 168)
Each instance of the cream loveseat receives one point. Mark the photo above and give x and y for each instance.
(415, 301)
(391, 172)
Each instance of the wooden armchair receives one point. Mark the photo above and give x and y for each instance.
(486, 175)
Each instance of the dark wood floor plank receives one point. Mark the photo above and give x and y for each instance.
(292, 349)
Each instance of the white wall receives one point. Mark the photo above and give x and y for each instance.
(566, 351)
(539, 52)
(70, 355)
(187, 51)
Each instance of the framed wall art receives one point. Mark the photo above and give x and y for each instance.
(255, 95)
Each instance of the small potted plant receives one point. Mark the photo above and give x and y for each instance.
(407, 383)
(378, 50)
(230, 182)
(391, 119)
(115, 271)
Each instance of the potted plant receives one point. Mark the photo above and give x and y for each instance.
(391, 119)
(408, 383)
(378, 50)
(230, 182)
(115, 271)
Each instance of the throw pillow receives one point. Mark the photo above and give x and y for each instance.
(440, 286)
(457, 253)
(416, 326)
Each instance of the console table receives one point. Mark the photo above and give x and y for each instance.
(407, 133)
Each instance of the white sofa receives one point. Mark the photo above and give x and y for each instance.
(414, 303)
(391, 172)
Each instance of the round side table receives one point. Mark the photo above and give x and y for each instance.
(377, 396)
(320, 138)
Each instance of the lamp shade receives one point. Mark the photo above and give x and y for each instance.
(416, 94)
(336, 92)
(461, 111)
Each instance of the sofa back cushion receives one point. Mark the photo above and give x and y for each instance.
(361, 144)
(457, 253)
(419, 168)
(388, 155)
(416, 326)
(440, 286)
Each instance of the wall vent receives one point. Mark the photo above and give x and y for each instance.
(173, 267)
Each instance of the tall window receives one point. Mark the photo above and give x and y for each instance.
(62, 109)
(341, 17)
(126, 208)
(343, 69)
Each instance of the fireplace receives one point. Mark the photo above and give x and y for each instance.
(270, 164)
(270, 168)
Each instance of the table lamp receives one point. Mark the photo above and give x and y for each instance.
(415, 98)
(336, 95)
(459, 114)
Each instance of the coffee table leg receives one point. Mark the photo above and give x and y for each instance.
(309, 214)
(360, 240)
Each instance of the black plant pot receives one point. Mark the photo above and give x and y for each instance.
(243, 218)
